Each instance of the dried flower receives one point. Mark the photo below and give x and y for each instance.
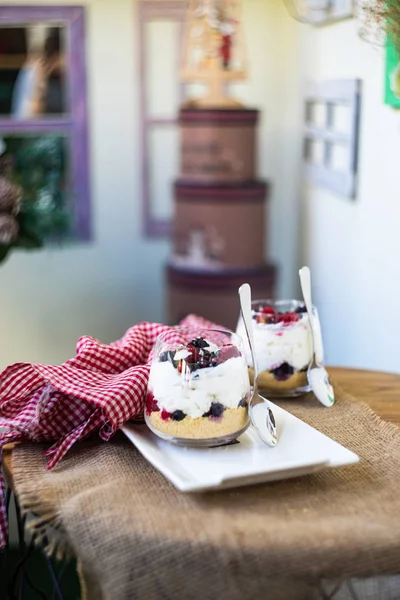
(8, 229)
(10, 197)
(383, 15)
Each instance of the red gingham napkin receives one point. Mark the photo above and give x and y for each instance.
(101, 388)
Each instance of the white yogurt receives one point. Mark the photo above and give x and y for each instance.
(278, 343)
(193, 393)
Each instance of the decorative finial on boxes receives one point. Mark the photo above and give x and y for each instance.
(213, 51)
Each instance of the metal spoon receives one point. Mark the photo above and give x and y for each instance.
(261, 415)
(317, 375)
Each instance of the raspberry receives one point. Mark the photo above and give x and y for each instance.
(287, 318)
(151, 403)
(268, 310)
(228, 351)
(194, 355)
(165, 415)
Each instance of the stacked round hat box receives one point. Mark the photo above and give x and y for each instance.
(219, 223)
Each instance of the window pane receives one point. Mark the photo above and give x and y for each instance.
(163, 152)
(32, 71)
(340, 158)
(162, 45)
(40, 166)
(341, 118)
(316, 150)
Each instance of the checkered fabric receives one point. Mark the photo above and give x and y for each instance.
(99, 389)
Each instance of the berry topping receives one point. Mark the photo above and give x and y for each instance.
(266, 318)
(199, 342)
(301, 309)
(178, 415)
(267, 315)
(286, 318)
(194, 355)
(151, 403)
(243, 403)
(215, 411)
(268, 310)
(228, 351)
(200, 354)
(283, 372)
(165, 415)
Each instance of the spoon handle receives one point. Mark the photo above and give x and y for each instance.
(305, 283)
(245, 309)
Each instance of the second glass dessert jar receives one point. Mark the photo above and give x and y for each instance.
(283, 346)
(199, 387)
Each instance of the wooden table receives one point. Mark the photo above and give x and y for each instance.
(381, 391)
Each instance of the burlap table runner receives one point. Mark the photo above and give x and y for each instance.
(137, 537)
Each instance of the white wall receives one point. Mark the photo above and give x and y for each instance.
(274, 87)
(48, 299)
(353, 247)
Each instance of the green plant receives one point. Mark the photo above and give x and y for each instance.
(33, 174)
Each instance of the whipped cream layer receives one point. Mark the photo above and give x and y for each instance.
(280, 343)
(194, 392)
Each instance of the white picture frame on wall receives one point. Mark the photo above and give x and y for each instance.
(331, 134)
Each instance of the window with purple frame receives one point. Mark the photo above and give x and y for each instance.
(43, 117)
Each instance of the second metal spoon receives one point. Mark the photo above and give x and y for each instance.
(317, 375)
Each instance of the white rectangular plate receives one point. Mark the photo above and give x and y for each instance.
(301, 450)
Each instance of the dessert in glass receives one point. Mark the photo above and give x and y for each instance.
(199, 387)
(283, 346)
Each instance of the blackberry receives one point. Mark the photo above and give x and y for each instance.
(243, 403)
(216, 410)
(283, 372)
(178, 415)
(301, 309)
(164, 357)
(199, 342)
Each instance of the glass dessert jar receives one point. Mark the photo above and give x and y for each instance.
(283, 346)
(199, 387)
